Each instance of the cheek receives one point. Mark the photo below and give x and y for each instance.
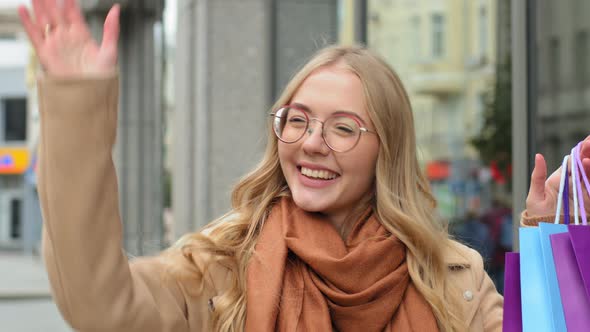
(364, 173)
(286, 154)
(281, 152)
(362, 165)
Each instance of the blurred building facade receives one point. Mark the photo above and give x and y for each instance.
(138, 152)
(230, 68)
(139, 148)
(445, 53)
(550, 85)
(561, 76)
(19, 212)
(233, 58)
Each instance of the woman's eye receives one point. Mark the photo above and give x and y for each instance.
(344, 129)
(296, 119)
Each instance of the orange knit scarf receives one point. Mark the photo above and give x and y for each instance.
(304, 277)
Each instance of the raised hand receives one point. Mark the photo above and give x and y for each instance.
(542, 197)
(63, 42)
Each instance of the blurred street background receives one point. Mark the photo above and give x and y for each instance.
(491, 82)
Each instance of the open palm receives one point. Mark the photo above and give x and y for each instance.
(542, 197)
(63, 42)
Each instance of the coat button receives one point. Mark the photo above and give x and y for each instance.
(468, 296)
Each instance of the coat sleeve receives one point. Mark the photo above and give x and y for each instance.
(93, 284)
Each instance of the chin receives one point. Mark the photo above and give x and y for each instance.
(312, 204)
(309, 204)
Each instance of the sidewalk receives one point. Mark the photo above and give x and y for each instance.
(22, 277)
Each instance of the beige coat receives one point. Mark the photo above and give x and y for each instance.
(94, 286)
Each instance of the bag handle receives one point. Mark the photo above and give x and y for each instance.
(575, 186)
(586, 184)
(560, 196)
(566, 197)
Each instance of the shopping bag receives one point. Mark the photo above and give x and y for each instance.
(575, 300)
(576, 306)
(535, 299)
(580, 238)
(545, 230)
(512, 321)
(540, 289)
(580, 235)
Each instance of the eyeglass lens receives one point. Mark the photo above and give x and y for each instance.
(340, 132)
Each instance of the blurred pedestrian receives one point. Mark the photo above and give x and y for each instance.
(499, 220)
(475, 234)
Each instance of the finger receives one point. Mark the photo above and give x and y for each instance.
(585, 149)
(63, 13)
(586, 165)
(41, 17)
(538, 178)
(54, 13)
(73, 13)
(32, 31)
(111, 31)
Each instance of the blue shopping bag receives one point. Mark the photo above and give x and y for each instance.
(542, 308)
(551, 282)
(535, 298)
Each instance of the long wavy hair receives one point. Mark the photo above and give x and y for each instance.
(403, 202)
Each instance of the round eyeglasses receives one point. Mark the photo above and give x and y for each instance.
(341, 132)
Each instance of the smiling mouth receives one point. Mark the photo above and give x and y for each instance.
(317, 174)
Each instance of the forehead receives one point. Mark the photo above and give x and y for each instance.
(328, 89)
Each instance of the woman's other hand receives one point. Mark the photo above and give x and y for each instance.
(63, 42)
(542, 197)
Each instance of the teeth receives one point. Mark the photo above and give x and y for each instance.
(326, 175)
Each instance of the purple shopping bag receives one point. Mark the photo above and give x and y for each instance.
(576, 306)
(580, 237)
(512, 321)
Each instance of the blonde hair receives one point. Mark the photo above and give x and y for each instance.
(402, 202)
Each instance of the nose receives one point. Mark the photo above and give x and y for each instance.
(313, 142)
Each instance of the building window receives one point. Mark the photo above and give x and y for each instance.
(581, 58)
(483, 31)
(554, 63)
(14, 121)
(438, 36)
(15, 219)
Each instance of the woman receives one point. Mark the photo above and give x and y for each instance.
(334, 230)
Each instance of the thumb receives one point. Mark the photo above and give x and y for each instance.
(538, 178)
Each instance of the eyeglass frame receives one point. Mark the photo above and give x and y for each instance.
(309, 131)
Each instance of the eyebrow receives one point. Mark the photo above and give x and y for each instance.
(305, 108)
